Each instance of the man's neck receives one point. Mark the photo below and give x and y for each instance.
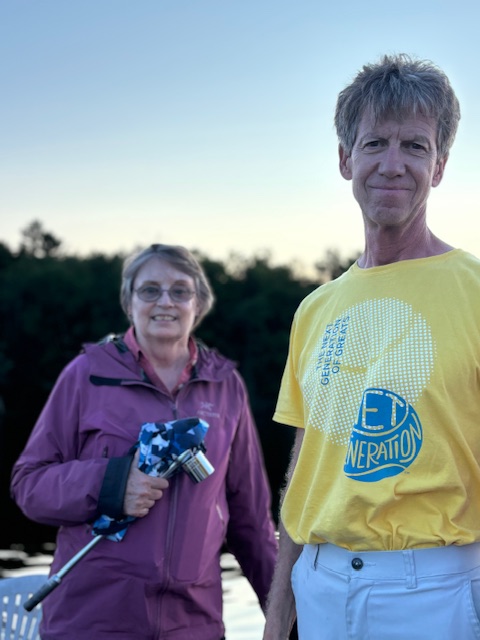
(387, 246)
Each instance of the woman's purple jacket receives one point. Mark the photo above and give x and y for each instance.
(163, 580)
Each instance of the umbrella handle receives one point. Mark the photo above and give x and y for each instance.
(56, 579)
(41, 593)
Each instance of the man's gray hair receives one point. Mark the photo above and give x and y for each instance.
(398, 86)
(177, 257)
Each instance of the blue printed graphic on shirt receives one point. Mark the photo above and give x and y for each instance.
(386, 438)
(367, 371)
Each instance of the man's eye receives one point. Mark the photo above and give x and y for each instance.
(372, 144)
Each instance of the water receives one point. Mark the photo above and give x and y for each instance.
(242, 614)
(243, 617)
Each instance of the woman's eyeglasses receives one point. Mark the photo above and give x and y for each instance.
(177, 293)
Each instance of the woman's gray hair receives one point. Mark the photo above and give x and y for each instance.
(179, 258)
(398, 86)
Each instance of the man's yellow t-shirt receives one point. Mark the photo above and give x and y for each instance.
(383, 373)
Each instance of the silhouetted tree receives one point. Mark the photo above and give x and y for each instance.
(333, 265)
(37, 242)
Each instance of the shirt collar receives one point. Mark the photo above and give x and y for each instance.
(131, 342)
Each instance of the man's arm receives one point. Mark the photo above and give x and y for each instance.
(281, 613)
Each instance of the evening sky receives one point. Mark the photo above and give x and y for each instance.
(208, 123)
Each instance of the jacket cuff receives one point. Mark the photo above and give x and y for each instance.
(112, 492)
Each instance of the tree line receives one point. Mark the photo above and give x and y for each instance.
(52, 303)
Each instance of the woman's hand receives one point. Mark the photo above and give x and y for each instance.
(142, 491)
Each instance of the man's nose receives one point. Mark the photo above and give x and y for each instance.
(392, 163)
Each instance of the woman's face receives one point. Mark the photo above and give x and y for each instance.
(163, 320)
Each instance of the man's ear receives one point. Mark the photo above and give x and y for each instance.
(344, 163)
(440, 168)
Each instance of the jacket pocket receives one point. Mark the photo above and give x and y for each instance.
(198, 541)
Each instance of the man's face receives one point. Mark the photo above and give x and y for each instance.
(392, 166)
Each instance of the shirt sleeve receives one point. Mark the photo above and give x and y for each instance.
(289, 409)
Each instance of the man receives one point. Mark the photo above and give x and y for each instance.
(381, 516)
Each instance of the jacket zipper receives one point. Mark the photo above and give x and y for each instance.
(172, 517)
(172, 514)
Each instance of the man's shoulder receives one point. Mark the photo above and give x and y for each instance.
(326, 290)
(462, 265)
(466, 258)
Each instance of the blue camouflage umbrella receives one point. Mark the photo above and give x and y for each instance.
(161, 445)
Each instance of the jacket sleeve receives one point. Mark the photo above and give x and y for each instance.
(50, 482)
(251, 531)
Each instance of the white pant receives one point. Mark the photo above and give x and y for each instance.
(424, 594)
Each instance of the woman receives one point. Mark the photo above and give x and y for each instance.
(163, 580)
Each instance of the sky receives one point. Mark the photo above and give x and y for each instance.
(209, 123)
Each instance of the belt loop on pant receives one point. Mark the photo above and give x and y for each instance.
(316, 557)
(410, 573)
